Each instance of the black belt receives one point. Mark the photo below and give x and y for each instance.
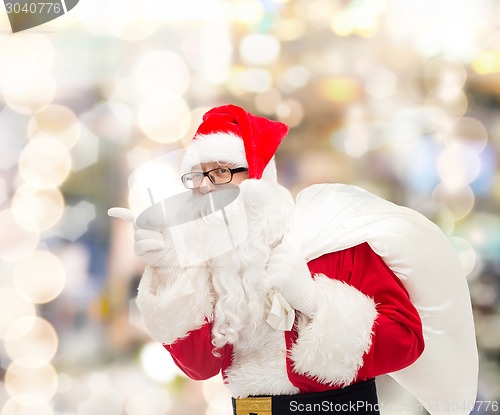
(359, 399)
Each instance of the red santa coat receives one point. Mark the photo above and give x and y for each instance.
(365, 324)
(387, 338)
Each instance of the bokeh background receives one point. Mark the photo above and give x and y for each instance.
(401, 97)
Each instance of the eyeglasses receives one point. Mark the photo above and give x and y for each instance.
(220, 175)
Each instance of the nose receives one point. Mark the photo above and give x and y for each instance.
(206, 186)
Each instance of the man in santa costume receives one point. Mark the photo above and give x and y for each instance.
(318, 298)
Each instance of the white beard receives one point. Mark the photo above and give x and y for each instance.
(239, 277)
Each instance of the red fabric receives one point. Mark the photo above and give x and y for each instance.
(397, 340)
(261, 137)
(193, 354)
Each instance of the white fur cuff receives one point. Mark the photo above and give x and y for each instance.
(182, 306)
(330, 347)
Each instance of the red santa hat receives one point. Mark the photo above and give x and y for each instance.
(230, 134)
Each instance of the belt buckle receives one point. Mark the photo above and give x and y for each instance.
(254, 406)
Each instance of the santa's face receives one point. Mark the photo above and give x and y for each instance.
(217, 169)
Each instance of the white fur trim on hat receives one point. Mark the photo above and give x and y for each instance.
(331, 346)
(216, 147)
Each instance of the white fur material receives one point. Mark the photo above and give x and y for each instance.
(259, 364)
(223, 147)
(180, 307)
(331, 346)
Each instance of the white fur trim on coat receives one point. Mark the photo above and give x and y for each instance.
(180, 307)
(259, 364)
(215, 147)
(331, 346)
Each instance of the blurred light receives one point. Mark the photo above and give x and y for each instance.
(458, 200)
(439, 116)
(234, 83)
(161, 70)
(57, 122)
(355, 20)
(323, 167)
(407, 124)
(150, 356)
(31, 336)
(196, 116)
(64, 383)
(122, 90)
(246, 11)
(470, 132)
(294, 77)
(137, 156)
(267, 102)
(32, 379)
(75, 221)
(41, 276)
(251, 80)
(159, 176)
(444, 79)
(3, 191)
(164, 118)
(86, 151)
(316, 12)
(484, 184)
(103, 399)
(191, 11)
(27, 96)
(449, 39)
(358, 137)
(290, 112)
(356, 145)
(14, 307)
(486, 62)
(44, 163)
(12, 138)
(209, 50)
(289, 29)
(4, 23)
(458, 165)
(340, 90)
(217, 396)
(20, 406)
(25, 57)
(483, 232)
(259, 49)
(445, 111)
(15, 241)
(129, 19)
(341, 24)
(440, 215)
(380, 83)
(483, 294)
(489, 332)
(418, 168)
(466, 254)
(149, 401)
(112, 121)
(37, 209)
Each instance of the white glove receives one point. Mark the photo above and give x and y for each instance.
(153, 247)
(289, 274)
